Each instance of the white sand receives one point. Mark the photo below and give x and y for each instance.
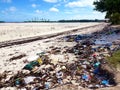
(30, 49)
(11, 31)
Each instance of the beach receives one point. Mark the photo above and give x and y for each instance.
(12, 31)
(32, 48)
(13, 58)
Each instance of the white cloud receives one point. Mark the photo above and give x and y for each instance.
(68, 12)
(95, 12)
(99, 14)
(6, 1)
(89, 16)
(53, 9)
(38, 11)
(34, 5)
(51, 1)
(9, 10)
(80, 3)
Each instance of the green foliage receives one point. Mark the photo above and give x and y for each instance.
(100, 5)
(84, 20)
(115, 18)
(111, 7)
(115, 59)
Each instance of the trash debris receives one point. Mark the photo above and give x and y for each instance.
(29, 79)
(43, 72)
(31, 65)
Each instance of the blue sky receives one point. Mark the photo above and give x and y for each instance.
(20, 10)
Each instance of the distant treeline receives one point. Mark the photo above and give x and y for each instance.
(2, 21)
(59, 21)
(39, 21)
(96, 20)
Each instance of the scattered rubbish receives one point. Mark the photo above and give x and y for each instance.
(29, 79)
(31, 65)
(76, 38)
(32, 58)
(47, 85)
(42, 72)
(103, 42)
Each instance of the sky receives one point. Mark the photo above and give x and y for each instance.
(21, 10)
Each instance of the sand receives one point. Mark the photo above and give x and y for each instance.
(12, 31)
(30, 49)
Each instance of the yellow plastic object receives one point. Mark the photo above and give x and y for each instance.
(39, 60)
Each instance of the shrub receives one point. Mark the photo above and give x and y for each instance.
(115, 18)
(114, 60)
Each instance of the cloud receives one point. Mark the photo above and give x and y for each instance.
(9, 10)
(99, 14)
(89, 16)
(6, 1)
(77, 10)
(68, 12)
(38, 11)
(80, 3)
(53, 9)
(51, 1)
(34, 5)
(96, 12)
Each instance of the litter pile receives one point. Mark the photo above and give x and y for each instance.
(86, 70)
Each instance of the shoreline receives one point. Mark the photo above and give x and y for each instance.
(35, 38)
(30, 49)
(18, 31)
